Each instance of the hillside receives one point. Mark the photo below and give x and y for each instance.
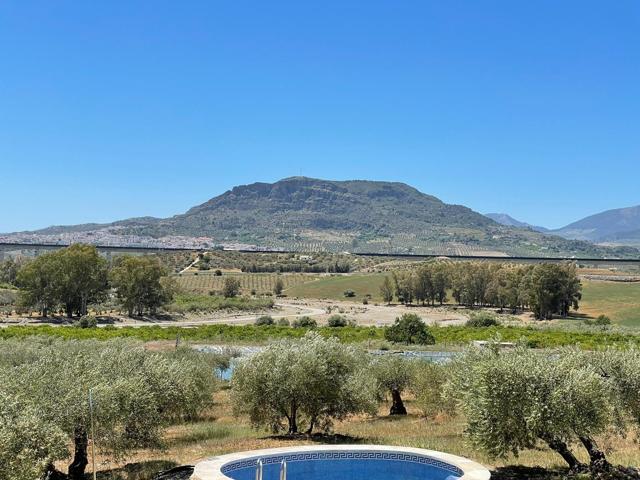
(308, 214)
(618, 226)
(508, 220)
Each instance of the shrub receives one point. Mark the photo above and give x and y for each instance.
(349, 293)
(601, 320)
(218, 273)
(409, 329)
(304, 322)
(283, 322)
(482, 319)
(87, 321)
(339, 321)
(264, 320)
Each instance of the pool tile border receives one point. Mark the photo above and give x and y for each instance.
(216, 468)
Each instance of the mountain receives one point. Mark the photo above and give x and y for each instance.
(306, 214)
(619, 226)
(509, 221)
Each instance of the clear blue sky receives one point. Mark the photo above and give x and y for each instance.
(117, 109)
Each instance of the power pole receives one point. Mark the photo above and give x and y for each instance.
(93, 434)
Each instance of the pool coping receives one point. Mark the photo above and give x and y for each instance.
(211, 469)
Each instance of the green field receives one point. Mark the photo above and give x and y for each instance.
(618, 300)
(333, 287)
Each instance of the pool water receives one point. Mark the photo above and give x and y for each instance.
(346, 466)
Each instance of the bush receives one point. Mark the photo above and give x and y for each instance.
(409, 329)
(305, 322)
(218, 273)
(87, 321)
(340, 321)
(264, 320)
(482, 319)
(283, 322)
(349, 293)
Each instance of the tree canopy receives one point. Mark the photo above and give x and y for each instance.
(303, 384)
(136, 393)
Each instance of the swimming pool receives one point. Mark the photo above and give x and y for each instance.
(341, 462)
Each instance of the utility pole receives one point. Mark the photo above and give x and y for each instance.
(93, 434)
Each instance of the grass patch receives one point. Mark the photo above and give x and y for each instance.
(620, 301)
(334, 287)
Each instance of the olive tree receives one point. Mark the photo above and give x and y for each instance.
(393, 374)
(304, 383)
(28, 446)
(513, 400)
(136, 392)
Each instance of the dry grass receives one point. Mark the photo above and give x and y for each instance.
(218, 432)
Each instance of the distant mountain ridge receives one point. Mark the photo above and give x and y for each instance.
(616, 226)
(508, 220)
(307, 214)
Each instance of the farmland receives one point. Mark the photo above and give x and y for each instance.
(260, 283)
(618, 300)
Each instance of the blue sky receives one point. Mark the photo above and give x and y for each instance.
(117, 109)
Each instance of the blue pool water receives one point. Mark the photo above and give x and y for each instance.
(346, 466)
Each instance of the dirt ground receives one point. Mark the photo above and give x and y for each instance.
(321, 310)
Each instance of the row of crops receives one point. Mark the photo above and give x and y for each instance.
(259, 283)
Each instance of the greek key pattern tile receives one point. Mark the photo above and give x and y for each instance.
(340, 455)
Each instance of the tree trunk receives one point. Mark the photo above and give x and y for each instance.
(69, 309)
(561, 448)
(293, 423)
(597, 459)
(397, 406)
(311, 425)
(80, 460)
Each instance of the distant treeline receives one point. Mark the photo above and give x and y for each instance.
(275, 263)
(546, 289)
(299, 267)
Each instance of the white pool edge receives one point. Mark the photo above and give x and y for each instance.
(211, 469)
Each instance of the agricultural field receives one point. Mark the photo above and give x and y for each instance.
(618, 300)
(333, 287)
(260, 283)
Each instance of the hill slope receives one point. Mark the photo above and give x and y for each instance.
(509, 221)
(618, 226)
(306, 214)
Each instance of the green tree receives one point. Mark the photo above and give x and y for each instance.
(136, 392)
(394, 374)
(141, 284)
(409, 329)
(278, 286)
(28, 445)
(37, 283)
(9, 271)
(81, 279)
(231, 287)
(386, 290)
(305, 383)
(514, 399)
